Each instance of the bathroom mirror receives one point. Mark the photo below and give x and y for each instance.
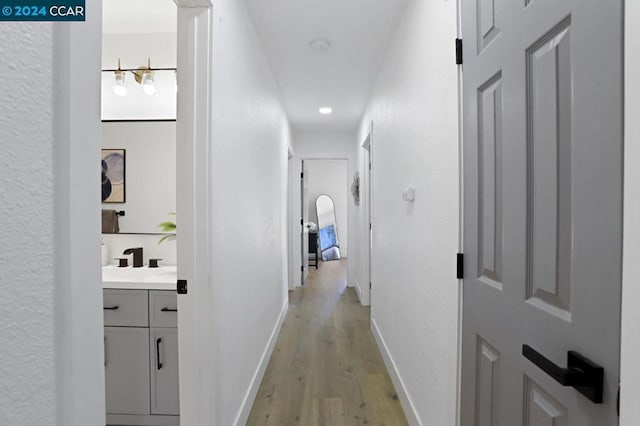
(327, 228)
(149, 175)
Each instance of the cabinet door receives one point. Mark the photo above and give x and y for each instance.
(127, 370)
(164, 371)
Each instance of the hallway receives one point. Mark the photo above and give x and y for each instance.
(326, 368)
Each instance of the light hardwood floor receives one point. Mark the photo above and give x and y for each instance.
(326, 368)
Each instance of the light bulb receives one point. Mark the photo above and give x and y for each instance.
(119, 88)
(148, 83)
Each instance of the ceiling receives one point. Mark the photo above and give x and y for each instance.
(139, 16)
(359, 32)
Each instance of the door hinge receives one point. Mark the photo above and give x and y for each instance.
(460, 266)
(301, 221)
(458, 51)
(370, 227)
(301, 268)
(182, 286)
(369, 285)
(369, 166)
(301, 175)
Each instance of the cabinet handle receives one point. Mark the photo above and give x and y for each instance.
(158, 363)
(168, 310)
(112, 308)
(105, 351)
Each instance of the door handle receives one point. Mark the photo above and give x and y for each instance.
(581, 374)
(168, 310)
(111, 308)
(158, 363)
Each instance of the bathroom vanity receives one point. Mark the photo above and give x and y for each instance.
(141, 346)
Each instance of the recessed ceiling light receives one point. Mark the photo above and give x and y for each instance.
(325, 110)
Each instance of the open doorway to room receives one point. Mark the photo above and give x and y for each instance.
(139, 191)
(324, 211)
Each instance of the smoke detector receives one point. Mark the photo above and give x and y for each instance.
(320, 45)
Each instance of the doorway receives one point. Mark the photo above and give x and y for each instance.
(139, 176)
(80, 123)
(323, 177)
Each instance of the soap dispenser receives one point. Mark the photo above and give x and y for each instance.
(105, 254)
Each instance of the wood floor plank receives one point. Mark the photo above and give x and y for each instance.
(326, 369)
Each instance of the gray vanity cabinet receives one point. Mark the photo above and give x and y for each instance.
(127, 370)
(164, 374)
(141, 357)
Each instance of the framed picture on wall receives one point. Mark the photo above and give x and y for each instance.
(114, 176)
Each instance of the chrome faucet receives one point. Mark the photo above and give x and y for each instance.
(137, 256)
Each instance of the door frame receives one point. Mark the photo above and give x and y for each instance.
(630, 343)
(329, 158)
(78, 320)
(365, 288)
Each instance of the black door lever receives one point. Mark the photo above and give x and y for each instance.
(581, 374)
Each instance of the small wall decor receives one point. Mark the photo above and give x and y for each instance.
(355, 188)
(113, 175)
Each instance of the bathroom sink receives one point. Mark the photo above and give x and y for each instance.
(163, 277)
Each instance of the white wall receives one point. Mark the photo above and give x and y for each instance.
(630, 347)
(330, 145)
(150, 172)
(28, 353)
(134, 50)
(51, 365)
(329, 177)
(249, 176)
(415, 142)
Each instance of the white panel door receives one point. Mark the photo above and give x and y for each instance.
(542, 209)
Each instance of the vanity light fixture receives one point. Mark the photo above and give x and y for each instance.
(145, 77)
(325, 110)
(119, 88)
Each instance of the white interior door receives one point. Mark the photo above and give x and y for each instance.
(294, 216)
(367, 223)
(193, 214)
(304, 229)
(542, 86)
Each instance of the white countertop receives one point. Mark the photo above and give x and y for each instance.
(145, 278)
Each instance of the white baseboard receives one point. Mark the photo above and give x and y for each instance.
(357, 287)
(404, 397)
(252, 391)
(360, 294)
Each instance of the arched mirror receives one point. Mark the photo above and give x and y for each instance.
(327, 228)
